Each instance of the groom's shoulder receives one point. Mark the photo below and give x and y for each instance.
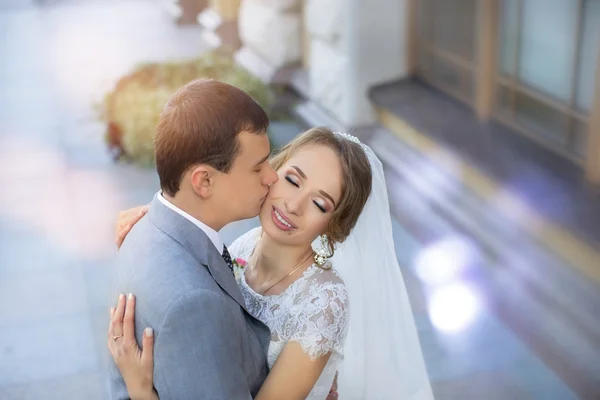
(151, 259)
(150, 243)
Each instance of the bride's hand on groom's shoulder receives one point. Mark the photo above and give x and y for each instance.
(125, 221)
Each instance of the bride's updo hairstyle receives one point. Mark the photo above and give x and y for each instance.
(356, 175)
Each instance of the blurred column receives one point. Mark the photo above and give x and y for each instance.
(271, 34)
(593, 149)
(412, 36)
(305, 40)
(487, 39)
(355, 44)
(220, 21)
(186, 11)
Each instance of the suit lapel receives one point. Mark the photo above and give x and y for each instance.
(223, 276)
(195, 241)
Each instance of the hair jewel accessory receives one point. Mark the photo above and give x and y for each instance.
(348, 137)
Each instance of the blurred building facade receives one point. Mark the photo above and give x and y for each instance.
(530, 64)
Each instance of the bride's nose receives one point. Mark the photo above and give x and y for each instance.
(295, 205)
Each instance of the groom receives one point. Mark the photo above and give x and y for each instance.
(211, 153)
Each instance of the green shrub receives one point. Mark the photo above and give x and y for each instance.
(131, 110)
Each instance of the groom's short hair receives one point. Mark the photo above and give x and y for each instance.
(200, 125)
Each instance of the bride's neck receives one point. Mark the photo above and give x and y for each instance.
(273, 258)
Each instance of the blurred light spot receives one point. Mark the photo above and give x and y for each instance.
(444, 260)
(515, 213)
(453, 308)
(74, 209)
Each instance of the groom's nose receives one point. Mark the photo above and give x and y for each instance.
(270, 176)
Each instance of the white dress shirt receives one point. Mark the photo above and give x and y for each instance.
(213, 235)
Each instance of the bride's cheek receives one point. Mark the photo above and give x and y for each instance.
(320, 221)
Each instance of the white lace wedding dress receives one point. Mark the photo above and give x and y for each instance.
(312, 311)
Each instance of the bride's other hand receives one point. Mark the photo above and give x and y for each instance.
(136, 365)
(333, 393)
(126, 220)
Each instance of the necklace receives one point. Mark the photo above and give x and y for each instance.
(296, 268)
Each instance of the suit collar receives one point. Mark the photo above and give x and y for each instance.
(213, 235)
(197, 243)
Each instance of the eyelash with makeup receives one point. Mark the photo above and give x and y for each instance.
(320, 207)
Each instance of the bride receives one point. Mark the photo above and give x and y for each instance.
(340, 316)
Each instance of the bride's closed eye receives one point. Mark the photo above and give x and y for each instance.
(292, 180)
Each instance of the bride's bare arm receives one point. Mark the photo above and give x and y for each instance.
(319, 329)
(294, 374)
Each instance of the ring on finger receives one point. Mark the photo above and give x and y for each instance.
(115, 337)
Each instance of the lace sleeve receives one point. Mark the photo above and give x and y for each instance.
(321, 324)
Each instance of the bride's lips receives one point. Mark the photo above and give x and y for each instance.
(280, 224)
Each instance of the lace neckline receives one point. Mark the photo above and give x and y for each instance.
(308, 272)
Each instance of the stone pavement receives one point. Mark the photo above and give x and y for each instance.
(61, 193)
(60, 189)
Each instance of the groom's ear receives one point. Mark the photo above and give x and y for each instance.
(202, 180)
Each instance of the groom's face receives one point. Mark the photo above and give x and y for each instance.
(241, 192)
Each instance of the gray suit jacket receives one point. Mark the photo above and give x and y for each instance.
(207, 345)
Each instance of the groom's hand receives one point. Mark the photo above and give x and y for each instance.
(126, 220)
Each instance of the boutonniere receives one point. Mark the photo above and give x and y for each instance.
(238, 267)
